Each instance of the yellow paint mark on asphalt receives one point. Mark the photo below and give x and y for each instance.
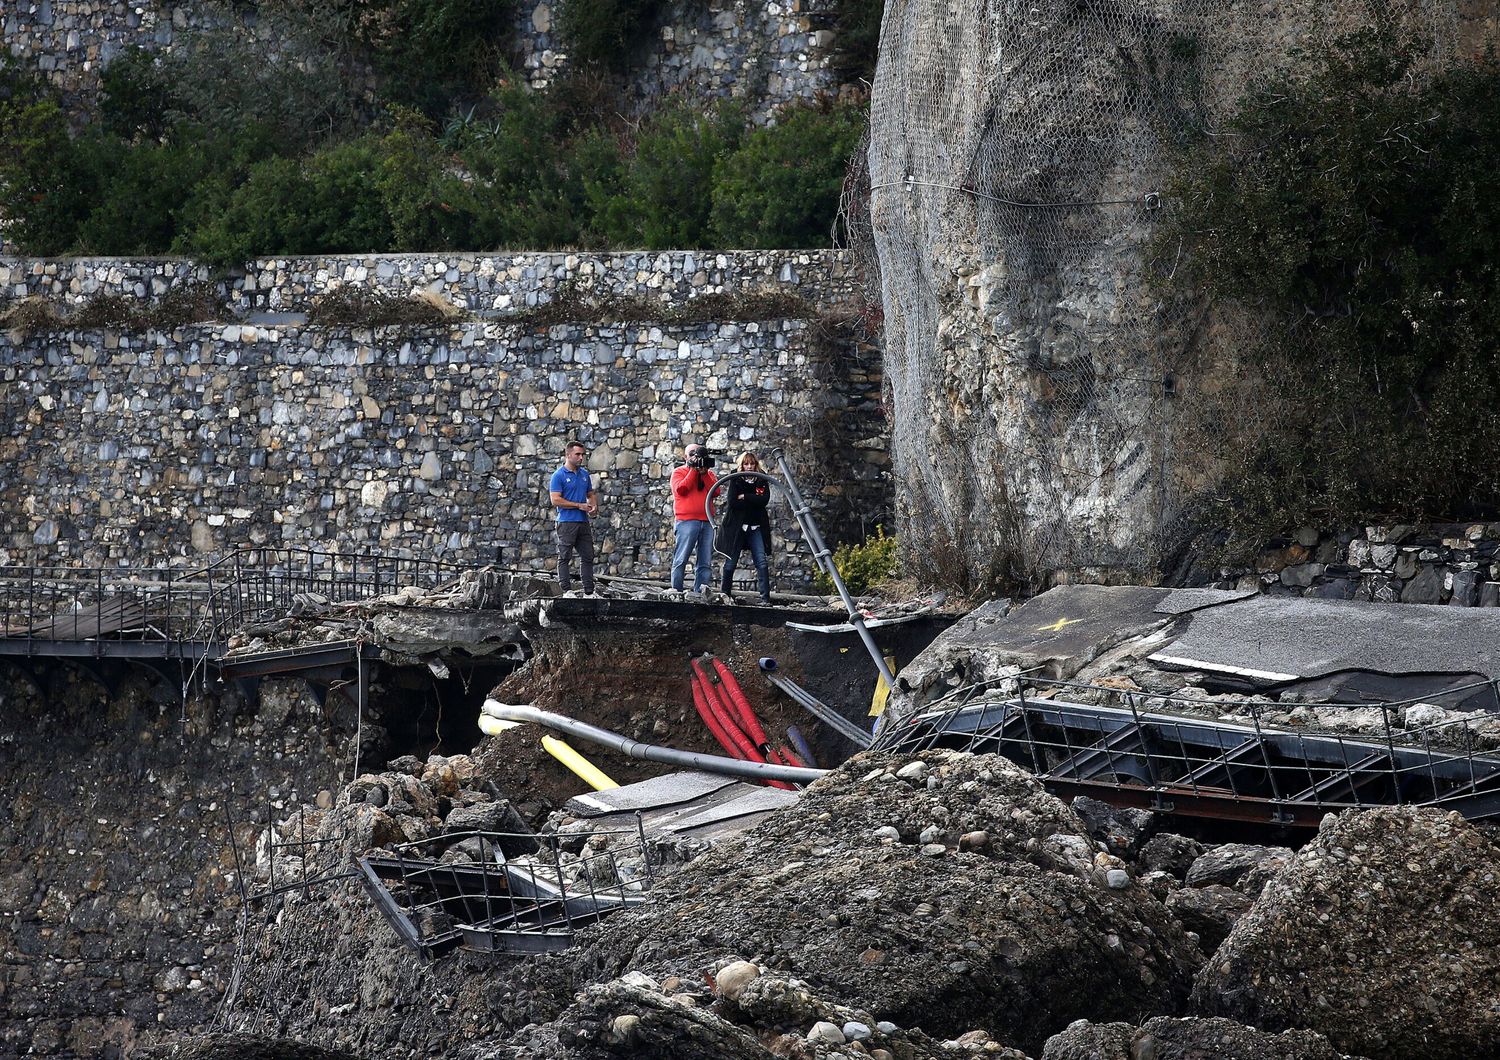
(1059, 624)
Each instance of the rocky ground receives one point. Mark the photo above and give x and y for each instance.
(940, 905)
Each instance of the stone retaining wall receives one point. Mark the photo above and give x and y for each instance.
(437, 441)
(1457, 564)
(766, 52)
(476, 283)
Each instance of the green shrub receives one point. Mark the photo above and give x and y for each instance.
(863, 566)
(46, 185)
(664, 196)
(607, 33)
(1355, 204)
(780, 189)
(329, 204)
(140, 188)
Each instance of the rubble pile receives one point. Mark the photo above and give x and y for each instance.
(1190, 1038)
(936, 905)
(1380, 933)
(945, 890)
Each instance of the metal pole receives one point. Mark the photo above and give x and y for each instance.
(824, 560)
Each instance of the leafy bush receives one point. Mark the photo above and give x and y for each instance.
(45, 187)
(780, 188)
(607, 33)
(329, 204)
(664, 196)
(863, 566)
(1359, 210)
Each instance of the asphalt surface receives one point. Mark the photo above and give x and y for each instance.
(1064, 628)
(1280, 638)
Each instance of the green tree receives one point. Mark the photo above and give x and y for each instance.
(1357, 207)
(46, 183)
(780, 189)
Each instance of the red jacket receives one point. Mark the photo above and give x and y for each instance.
(689, 488)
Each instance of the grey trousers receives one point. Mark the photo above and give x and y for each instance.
(577, 536)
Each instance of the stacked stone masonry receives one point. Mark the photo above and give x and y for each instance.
(1456, 564)
(767, 53)
(476, 283)
(127, 448)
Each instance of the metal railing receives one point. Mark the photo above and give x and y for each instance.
(41, 604)
(173, 611)
(257, 584)
(506, 892)
(1220, 758)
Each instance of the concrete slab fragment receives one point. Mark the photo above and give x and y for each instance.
(1064, 627)
(687, 805)
(1280, 639)
(658, 793)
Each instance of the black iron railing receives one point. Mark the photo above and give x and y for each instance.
(178, 611)
(506, 892)
(1221, 758)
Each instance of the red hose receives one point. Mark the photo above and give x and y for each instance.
(719, 702)
(712, 721)
(748, 720)
(786, 755)
(725, 718)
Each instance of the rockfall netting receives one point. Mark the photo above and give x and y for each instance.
(1046, 382)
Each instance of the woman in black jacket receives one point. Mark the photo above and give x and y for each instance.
(747, 523)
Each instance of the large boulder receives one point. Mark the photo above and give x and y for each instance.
(1239, 865)
(945, 892)
(1166, 1038)
(1381, 934)
(1209, 912)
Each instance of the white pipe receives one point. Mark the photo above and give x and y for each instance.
(650, 752)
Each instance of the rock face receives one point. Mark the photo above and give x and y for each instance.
(1042, 383)
(118, 875)
(864, 891)
(1380, 934)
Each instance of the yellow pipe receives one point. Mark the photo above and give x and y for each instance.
(495, 726)
(589, 773)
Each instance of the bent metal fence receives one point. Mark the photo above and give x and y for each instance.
(506, 892)
(180, 612)
(1221, 759)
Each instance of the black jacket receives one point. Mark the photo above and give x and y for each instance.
(746, 501)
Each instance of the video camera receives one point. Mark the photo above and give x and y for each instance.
(704, 458)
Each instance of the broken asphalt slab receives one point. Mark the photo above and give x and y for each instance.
(1329, 649)
(1278, 640)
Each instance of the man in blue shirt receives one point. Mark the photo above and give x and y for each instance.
(573, 496)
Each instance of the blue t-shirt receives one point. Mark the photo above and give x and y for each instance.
(574, 486)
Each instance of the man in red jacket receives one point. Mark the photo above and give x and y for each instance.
(693, 523)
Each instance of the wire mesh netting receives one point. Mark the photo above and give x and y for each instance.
(1045, 382)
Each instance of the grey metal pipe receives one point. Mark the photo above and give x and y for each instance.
(646, 752)
(824, 558)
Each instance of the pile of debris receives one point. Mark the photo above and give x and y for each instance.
(941, 904)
